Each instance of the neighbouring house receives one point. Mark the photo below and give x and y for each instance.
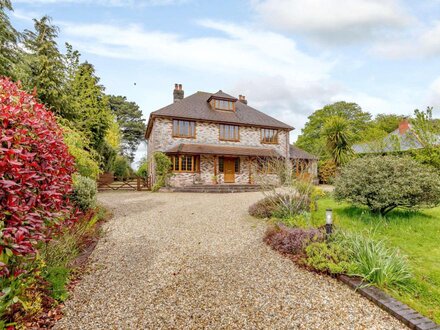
(403, 138)
(217, 138)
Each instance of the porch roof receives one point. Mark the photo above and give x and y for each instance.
(297, 153)
(210, 149)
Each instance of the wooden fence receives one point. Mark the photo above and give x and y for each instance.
(107, 182)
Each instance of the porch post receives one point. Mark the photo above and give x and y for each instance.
(215, 165)
(250, 170)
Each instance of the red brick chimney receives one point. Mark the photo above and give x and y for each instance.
(403, 126)
(178, 92)
(242, 99)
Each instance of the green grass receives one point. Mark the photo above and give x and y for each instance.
(416, 234)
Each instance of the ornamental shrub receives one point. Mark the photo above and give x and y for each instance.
(280, 206)
(375, 262)
(329, 258)
(262, 209)
(162, 170)
(327, 171)
(84, 192)
(85, 157)
(383, 183)
(292, 240)
(35, 175)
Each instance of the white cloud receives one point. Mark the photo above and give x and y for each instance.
(434, 93)
(236, 50)
(419, 43)
(110, 3)
(333, 20)
(267, 67)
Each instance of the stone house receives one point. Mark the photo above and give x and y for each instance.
(217, 138)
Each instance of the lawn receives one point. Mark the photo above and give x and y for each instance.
(417, 234)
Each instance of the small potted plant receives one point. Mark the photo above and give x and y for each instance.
(214, 179)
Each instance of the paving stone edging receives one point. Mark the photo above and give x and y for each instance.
(402, 312)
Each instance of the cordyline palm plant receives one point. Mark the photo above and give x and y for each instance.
(339, 139)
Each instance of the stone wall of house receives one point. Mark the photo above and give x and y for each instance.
(161, 137)
(207, 172)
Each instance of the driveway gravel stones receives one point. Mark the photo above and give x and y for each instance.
(197, 261)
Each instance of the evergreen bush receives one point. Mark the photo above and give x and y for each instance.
(383, 183)
(84, 192)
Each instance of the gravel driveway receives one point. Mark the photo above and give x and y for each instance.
(190, 261)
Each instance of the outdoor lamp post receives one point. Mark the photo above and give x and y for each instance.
(328, 221)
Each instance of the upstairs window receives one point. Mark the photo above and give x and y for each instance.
(229, 133)
(224, 105)
(184, 128)
(269, 135)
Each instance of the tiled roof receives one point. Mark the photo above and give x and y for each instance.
(395, 141)
(215, 149)
(222, 95)
(196, 107)
(297, 153)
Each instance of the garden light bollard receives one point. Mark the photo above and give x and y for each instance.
(328, 222)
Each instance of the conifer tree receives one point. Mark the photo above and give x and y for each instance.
(9, 51)
(90, 104)
(46, 67)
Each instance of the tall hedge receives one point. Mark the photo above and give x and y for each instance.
(383, 183)
(35, 174)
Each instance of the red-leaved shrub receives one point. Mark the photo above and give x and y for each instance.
(292, 240)
(35, 174)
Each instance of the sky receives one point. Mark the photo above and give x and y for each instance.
(288, 57)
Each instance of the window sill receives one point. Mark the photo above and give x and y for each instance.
(185, 172)
(183, 137)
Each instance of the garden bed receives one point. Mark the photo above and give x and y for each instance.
(415, 233)
(51, 302)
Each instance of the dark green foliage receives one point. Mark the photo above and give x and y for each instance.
(143, 168)
(91, 107)
(383, 183)
(58, 277)
(108, 156)
(9, 51)
(122, 169)
(339, 138)
(46, 70)
(129, 118)
(311, 135)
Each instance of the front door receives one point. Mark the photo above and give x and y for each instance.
(229, 170)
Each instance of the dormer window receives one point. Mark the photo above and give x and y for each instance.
(222, 101)
(224, 105)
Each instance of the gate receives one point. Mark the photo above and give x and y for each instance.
(108, 182)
